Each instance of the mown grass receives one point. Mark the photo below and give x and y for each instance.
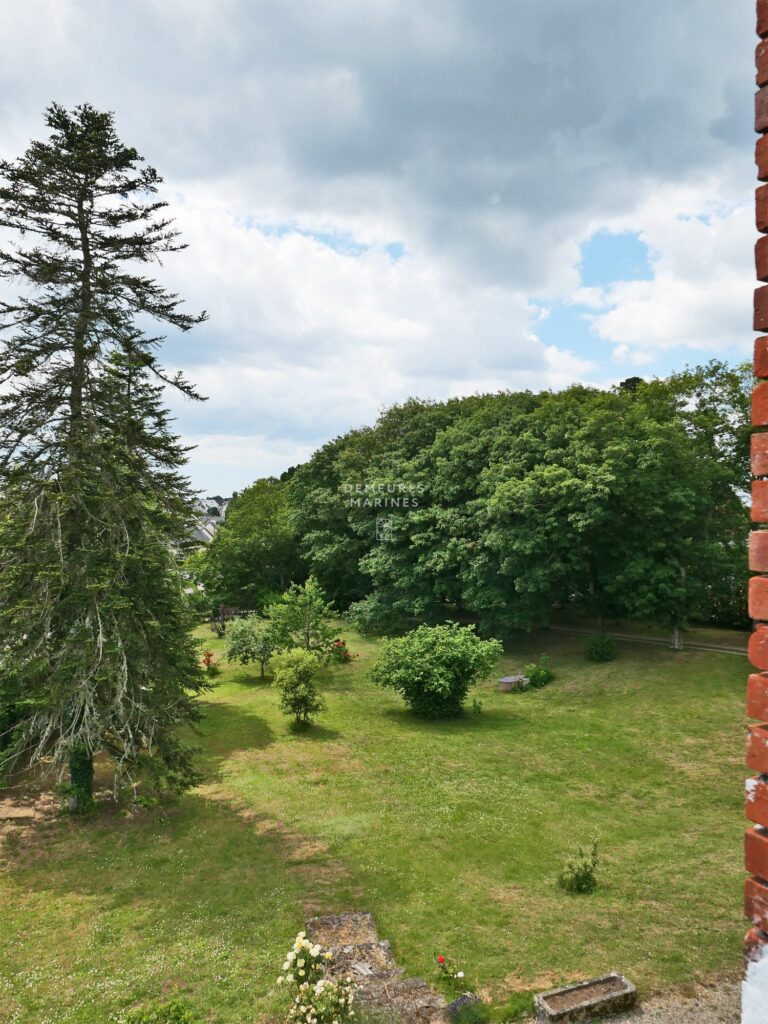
(450, 833)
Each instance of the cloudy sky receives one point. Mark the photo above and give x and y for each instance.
(386, 198)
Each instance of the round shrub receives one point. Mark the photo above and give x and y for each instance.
(296, 674)
(433, 667)
(601, 648)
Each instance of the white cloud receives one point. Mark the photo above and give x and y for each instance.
(700, 296)
(488, 139)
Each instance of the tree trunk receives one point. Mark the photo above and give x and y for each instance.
(677, 639)
(80, 780)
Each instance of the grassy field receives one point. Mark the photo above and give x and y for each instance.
(450, 833)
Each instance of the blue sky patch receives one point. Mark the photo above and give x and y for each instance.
(606, 258)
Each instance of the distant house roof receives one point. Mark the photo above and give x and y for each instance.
(203, 532)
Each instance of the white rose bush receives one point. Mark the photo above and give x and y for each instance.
(317, 999)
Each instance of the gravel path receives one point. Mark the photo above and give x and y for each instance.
(719, 1005)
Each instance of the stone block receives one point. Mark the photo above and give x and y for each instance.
(756, 851)
(759, 508)
(756, 902)
(757, 696)
(757, 748)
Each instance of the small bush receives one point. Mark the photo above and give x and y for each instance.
(601, 648)
(579, 873)
(175, 1012)
(433, 667)
(340, 653)
(296, 674)
(210, 664)
(539, 673)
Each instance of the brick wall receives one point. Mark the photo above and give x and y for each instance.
(755, 989)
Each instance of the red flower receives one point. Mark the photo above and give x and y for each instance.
(441, 959)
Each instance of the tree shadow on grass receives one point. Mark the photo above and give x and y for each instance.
(201, 876)
(314, 733)
(485, 721)
(225, 730)
(244, 677)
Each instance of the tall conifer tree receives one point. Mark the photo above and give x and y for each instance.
(95, 655)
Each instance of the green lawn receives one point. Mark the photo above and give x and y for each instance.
(450, 833)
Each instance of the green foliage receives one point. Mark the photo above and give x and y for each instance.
(371, 616)
(174, 1012)
(296, 676)
(433, 667)
(472, 1013)
(299, 619)
(251, 639)
(601, 648)
(579, 873)
(254, 553)
(539, 673)
(96, 648)
(518, 1006)
(622, 503)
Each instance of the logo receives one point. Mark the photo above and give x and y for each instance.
(384, 528)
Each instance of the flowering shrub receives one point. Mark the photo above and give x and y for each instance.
(210, 664)
(450, 975)
(340, 653)
(318, 1000)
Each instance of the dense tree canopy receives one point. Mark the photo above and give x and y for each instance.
(620, 502)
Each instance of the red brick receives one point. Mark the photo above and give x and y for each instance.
(761, 63)
(761, 254)
(756, 902)
(757, 748)
(757, 648)
(761, 109)
(757, 598)
(758, 551)
(759, 510)
(762, 18)
(757, 696)
(760, 305)
(760, 404)
(760, 354)
(757, 800)
(761, 158)
(755, 943)
(759, 453)
(761, 208)
(756, 851)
